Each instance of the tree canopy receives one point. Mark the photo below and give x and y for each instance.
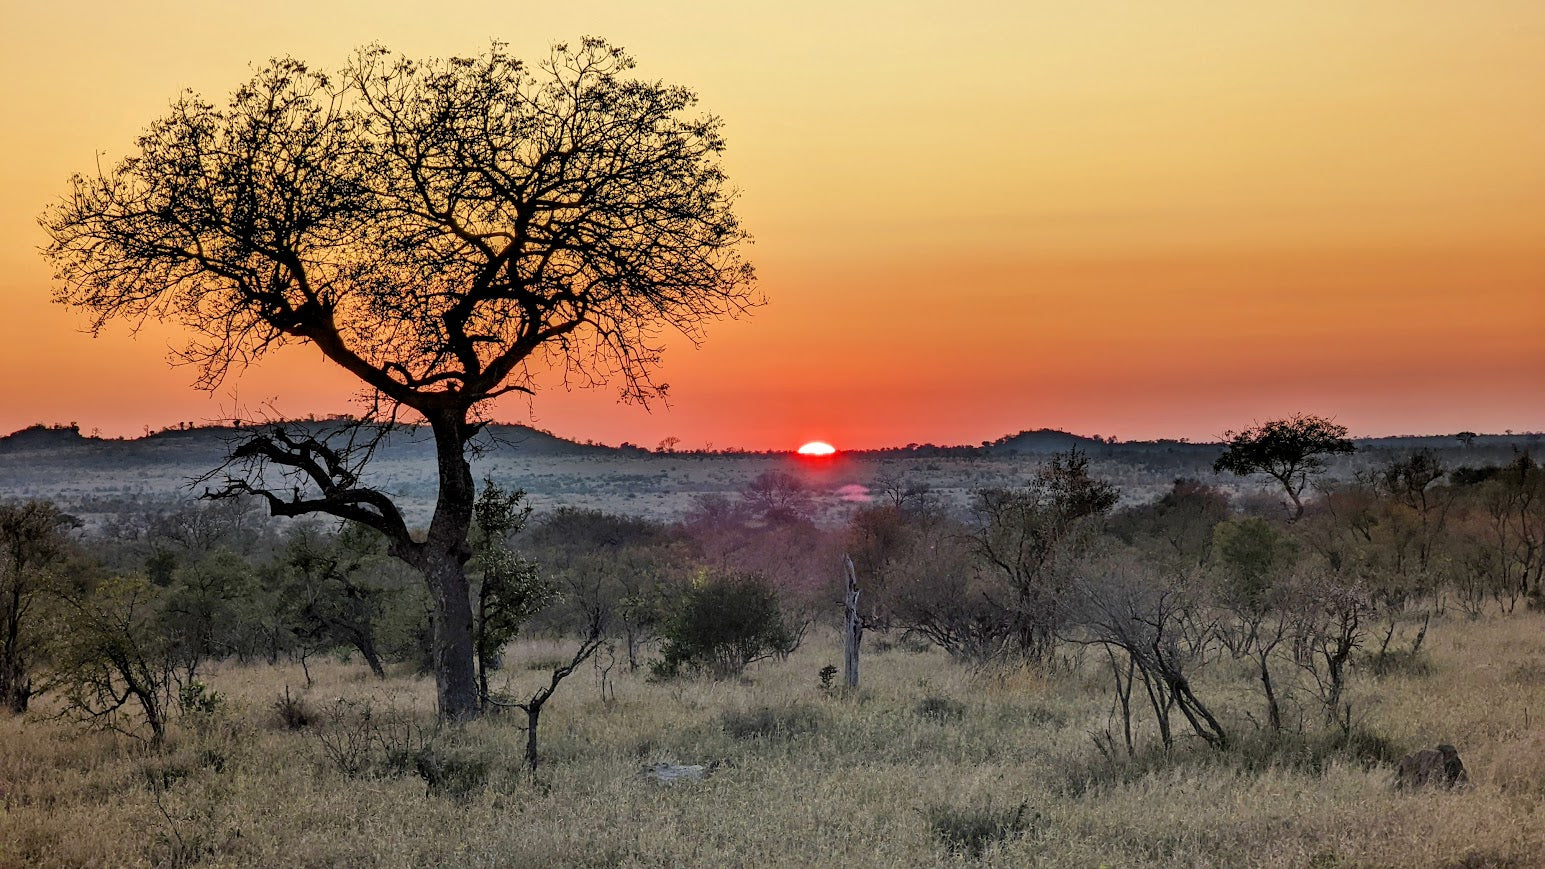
(432, 226)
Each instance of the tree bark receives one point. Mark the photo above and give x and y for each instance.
(445, 553)
(456, 692)
(533, 718)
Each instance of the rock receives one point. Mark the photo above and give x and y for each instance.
(670, 773)
(1431, 767)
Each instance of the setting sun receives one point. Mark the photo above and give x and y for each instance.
(817, 448)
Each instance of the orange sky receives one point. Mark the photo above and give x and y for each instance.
(1117, 218)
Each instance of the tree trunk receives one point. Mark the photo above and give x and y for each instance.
(533, 717)
(1273, 709)
(456, 692)
(853, 633)
(445, 553)
(479, 641)
(15, 685)
(367, 649)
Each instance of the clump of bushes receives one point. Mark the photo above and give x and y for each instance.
(720, 625)
(361, 741)
(446, 770)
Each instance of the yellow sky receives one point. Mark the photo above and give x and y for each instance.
(1140, 219)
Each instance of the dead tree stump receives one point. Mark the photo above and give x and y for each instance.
(853, 627)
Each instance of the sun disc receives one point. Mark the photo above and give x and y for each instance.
(817, 448)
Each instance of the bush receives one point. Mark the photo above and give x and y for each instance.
(940, 708)
(972, 829)
(721, 625)
(293, 712)
(194, 698)
(446, 770)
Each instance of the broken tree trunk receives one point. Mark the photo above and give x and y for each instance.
(853, 625)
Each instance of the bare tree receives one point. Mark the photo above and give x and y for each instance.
(1153, 622)
(443, 230)
(593, 639)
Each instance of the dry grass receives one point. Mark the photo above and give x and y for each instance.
(899, 775)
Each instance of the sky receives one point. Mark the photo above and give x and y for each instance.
(1130, 219)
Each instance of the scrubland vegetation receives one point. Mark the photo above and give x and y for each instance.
(1048, 678)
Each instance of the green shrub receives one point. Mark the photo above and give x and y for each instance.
(720, 625)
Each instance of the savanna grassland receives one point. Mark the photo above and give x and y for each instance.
(1064, 664)
(928, 763)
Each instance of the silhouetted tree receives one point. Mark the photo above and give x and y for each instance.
(442, 230)
(1287, 450)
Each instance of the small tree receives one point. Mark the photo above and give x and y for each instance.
(114, 657)
(335, 593)
(1254, 559)
(594, 637)
(510, 590)
(778, 497)
(1289, 451)
(1150, 619)
(624, 564)
(32, 543)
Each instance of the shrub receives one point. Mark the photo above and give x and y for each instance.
(828, 674)
(1402, 663)
(293, 712)
(971, 830)
(194, 698)
(721, 625)
(939, 708)
(446, 771)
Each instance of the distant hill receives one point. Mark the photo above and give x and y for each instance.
(206, 446)
(42, 437)
(1039, 441)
